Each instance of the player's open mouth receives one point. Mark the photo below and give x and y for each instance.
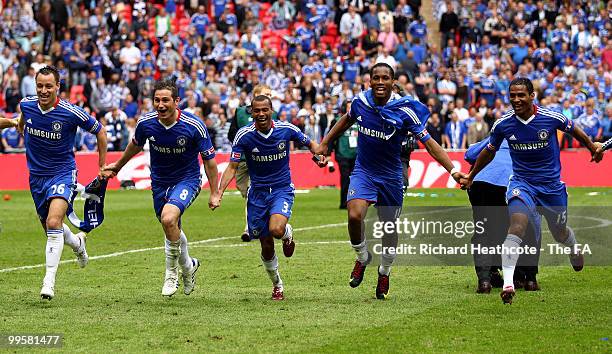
(380, 89)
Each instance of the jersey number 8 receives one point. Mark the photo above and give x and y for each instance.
(184, 194)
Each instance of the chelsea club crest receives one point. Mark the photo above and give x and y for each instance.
(281, 146)
(181, 141)
(543, 134)
(56, 126)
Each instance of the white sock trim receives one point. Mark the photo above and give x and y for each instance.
(384, 269)
(571, 238)
(288, 232)
(271, 264)
(362, 251)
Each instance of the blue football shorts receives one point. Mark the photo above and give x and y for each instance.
(548, 199)
(385, 193)
(182, 195)
(262, 202)
(45, 188)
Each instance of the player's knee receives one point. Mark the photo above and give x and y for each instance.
(560, 234)
(277, 231)
(54, 222)
(168, 220)
(354, 216)
(517, 228)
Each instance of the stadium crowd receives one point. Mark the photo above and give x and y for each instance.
(314, 55)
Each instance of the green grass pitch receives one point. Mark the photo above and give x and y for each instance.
(115, 303)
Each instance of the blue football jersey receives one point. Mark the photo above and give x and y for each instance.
(379, 141)
(49, 135)
(174, 149)
(534, 147)
(267, 155)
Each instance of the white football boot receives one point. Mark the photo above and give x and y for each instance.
(189, 278)
(171, 283)
(81, 253)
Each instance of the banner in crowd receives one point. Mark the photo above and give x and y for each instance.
(424, 171)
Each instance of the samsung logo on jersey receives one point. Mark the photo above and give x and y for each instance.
(375, 133)
(269, 158)
(529, 146)
(167, 150)
(44, 134)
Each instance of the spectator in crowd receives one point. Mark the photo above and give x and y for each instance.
(115, 129)
(283, 12)
(312, 128)
(370, 19)
(88, 142)
(162, 24)
(351, 25)
(454, 134)
(449, 24)
(12, 141)
(446, 90)
(130, 56)
(28, 84)
(589, 122)
(10, 88)
(434, 128)
(478, 130)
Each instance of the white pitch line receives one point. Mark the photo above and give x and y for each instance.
(195, 243)
(251, 244)
(116, 254)
(319, 227)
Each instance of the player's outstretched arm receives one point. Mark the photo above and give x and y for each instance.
(8, 123)
(226, 178)
(112, 169)
(484, 158)
(212, 173)
(340, 127)
(435, 150)
(581, 136)
(102, 148)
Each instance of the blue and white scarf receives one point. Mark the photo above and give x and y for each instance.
(93, 209)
